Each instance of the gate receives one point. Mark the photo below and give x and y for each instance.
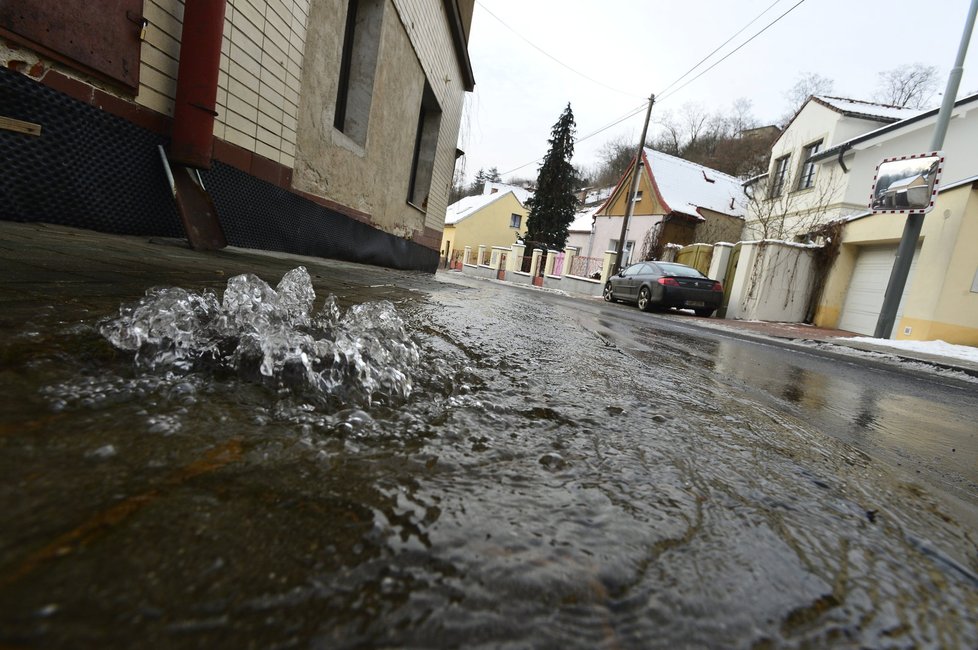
(728, 280)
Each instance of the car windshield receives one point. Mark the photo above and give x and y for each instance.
(680, 270)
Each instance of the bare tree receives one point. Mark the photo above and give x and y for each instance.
(786, 214)
(615, 156)
(806, 85)
(912, 85)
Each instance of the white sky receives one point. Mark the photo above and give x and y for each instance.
(642, 46)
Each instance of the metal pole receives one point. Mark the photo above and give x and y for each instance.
(633, 188)
(915, 220)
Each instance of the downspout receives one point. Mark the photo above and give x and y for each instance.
(842, 152)
(192, 141)
(196, 97)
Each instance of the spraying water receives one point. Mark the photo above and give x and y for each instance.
(274, 336)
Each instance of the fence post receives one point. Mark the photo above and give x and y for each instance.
(535, 262)
(569, 253)
(466, 255)
(548, 267)
(514, 262)
(610, 258)
(718, 263)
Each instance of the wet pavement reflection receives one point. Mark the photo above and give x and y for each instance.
(534, 476)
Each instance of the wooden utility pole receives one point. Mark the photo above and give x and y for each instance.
(633, 188)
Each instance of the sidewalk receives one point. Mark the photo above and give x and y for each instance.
(840, 339)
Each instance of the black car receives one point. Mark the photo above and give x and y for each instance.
(660, 285)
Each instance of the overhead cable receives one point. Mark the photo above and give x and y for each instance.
(552, 57)
(733, 51)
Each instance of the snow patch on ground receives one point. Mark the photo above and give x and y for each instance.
(936, 348)
(919, 366)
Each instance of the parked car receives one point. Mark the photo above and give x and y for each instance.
(660, 285)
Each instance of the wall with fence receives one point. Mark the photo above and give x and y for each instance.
(764, 280)
(562, 270)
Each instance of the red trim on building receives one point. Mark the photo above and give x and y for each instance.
(655, 186)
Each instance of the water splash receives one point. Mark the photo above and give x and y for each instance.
(275, 336)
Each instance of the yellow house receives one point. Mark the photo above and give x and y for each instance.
(495, 218)
(941, 297)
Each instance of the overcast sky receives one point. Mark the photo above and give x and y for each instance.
(631, 48)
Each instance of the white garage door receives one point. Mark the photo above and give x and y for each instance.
(867, 286)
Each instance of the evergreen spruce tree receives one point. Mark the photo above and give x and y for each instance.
(553, 206)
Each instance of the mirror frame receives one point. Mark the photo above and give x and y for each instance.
(906, 169)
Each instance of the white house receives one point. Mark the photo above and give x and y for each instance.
(941, 296)
(796, 194)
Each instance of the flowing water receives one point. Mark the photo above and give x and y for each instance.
(263, 467)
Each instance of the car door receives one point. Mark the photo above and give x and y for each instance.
(631, 281)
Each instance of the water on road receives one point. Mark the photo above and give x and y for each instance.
(457, 466)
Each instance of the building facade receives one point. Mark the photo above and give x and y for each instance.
(495, 218)
(940, 300)
(796, 195)
(678, 202)
(334, 126)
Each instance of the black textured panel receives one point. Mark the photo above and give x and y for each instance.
(256, 214)
(90, 169)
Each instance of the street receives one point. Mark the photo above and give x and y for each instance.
(921, 422)
(440, 462)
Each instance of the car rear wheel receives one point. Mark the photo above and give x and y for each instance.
(705, 313)
(645, 299)
(608, 294)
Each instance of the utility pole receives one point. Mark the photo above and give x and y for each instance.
(915, 220)
(633, 188)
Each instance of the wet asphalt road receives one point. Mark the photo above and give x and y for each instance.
(921, 425)
(564, 473)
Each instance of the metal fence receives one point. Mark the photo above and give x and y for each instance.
(586, 267)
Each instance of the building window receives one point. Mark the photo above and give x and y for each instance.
(425, 146)
(780, 175)
(807, 177)
(638, 196)
(354, 92)
(515, 220)
(626, 253)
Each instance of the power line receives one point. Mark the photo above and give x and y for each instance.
(618, 121)
(670, 94)
(733, 51)
(552, 57)
(719, 47)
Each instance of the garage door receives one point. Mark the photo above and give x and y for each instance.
(864, 299)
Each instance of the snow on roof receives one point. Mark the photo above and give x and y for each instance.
(686, 186)
(871, 110)
(469, 205)
(598, 195)
(583, 220)
(521, 193)
(916, 119)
